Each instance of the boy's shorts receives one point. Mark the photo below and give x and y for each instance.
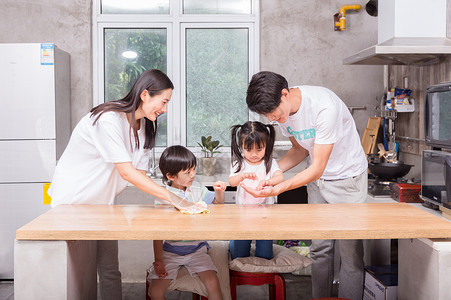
(196, 262)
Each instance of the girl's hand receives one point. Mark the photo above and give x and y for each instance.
(263, 183)
(160, 270)
(219, 186)
(249, 175)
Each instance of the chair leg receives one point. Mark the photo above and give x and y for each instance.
(233, 283)
(280, 287)
(272, 291)
(147, 287)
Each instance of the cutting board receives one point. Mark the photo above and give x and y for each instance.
(370, 134)
(446, 212)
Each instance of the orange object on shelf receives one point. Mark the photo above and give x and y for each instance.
(406, 192)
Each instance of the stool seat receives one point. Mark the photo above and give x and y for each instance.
(275, 280)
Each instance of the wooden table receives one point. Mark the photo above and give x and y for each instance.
(285, 221)
(58, 247)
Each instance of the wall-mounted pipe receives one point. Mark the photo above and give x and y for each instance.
(340, 17)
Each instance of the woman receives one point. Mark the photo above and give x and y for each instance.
(109, 148)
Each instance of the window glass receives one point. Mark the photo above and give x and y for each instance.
(217, 75)
(217, 6)
(128, 53)
(135, 7)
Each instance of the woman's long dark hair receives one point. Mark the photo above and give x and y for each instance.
(154, 81)
(250, 134)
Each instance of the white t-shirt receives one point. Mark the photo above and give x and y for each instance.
(323, 118)
(85, 173)
(242, 197)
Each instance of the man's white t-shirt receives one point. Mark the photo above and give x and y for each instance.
(242, 197)
(323, 118)
(85, 173)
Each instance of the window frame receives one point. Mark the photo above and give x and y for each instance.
(176, 24)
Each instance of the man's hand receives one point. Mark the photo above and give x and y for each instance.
(267, 191)
(160, 270)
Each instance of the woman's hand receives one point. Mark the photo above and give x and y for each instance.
(180, 203)
(160, 269)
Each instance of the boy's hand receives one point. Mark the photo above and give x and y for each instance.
(219, 186)
(160, 270)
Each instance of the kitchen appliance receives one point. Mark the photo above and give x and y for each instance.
(409, 33)
(436, 177)
(386, 175)
(34, 130)
(389, 171)
(380, 188)
(437, 115)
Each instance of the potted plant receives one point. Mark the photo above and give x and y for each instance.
(209, 148)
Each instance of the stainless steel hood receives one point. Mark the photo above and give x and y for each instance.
(403, 51)
(408, 33)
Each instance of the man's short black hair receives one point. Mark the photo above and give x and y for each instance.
(265, 91)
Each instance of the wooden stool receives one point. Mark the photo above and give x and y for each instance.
(275, 280)
(195, 296)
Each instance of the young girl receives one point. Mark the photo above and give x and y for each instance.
(253, 165)
(178, 166)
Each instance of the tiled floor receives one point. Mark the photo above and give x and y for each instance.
(297, 288)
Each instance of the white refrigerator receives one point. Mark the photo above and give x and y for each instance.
(34, 130)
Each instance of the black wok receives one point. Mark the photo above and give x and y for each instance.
(387, 171)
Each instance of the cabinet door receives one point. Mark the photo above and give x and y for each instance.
(27, 161)
(19, 204)
(27, 93)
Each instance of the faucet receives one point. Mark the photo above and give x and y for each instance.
(153, 166)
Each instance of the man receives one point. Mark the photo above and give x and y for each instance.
(320, 127)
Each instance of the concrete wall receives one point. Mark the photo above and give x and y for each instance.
(299, 42)
(68, 24)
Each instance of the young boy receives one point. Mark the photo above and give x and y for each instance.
(178, 166)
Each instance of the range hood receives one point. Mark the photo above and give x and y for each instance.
(403, 51)
(407, 35)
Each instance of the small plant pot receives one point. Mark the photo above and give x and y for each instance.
(208, 165)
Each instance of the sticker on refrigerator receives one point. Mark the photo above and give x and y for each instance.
(47, 199)
(47, 54)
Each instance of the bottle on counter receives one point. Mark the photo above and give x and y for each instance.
(393, 99)
(388, 102)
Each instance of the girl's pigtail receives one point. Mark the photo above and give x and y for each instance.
(269, 147)
(236, 156)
